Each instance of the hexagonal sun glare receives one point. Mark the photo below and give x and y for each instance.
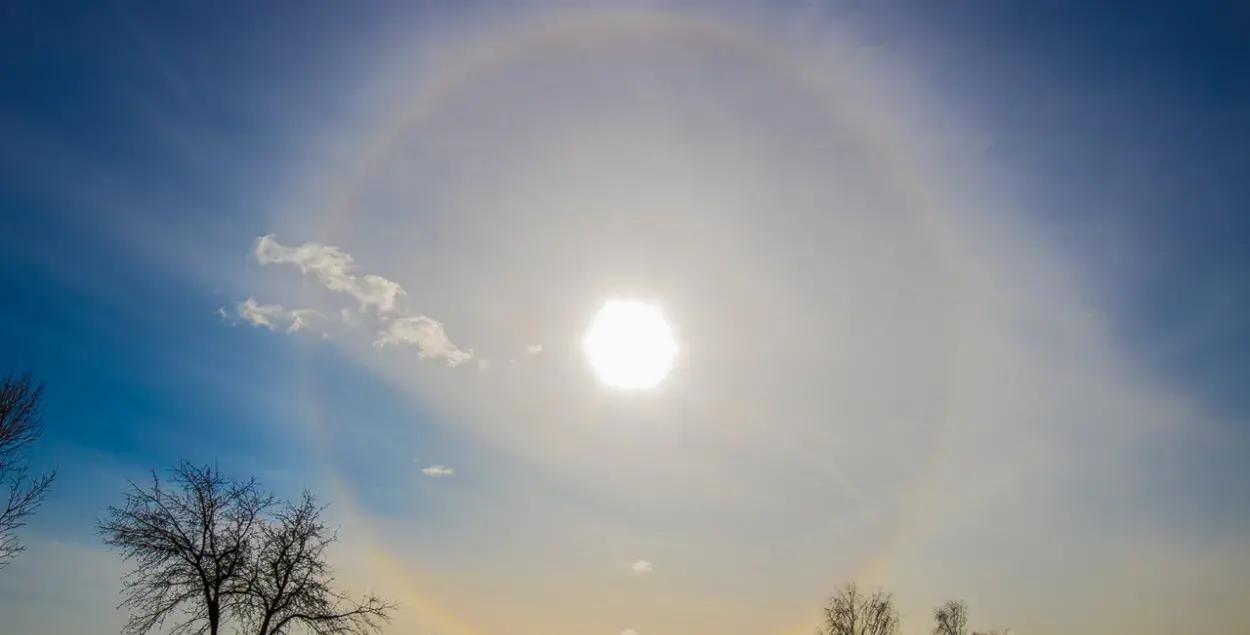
(630, 344)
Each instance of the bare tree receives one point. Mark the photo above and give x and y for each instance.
(21, 424)
(851, 612)
(209, 550)
(190, 541)
(290, 584)
(951, 618)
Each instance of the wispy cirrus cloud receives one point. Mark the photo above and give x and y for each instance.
(438, 470)
(334, 268)
(274, 317)
(427, 334)
(336, 271)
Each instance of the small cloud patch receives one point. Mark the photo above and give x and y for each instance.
(334, 269)
(438, 470)
(271, 316)
(640, 567)
(428, 336)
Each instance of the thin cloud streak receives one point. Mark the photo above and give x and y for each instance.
(334, 269)
(271, 316)
(428, 335)
(438, 471)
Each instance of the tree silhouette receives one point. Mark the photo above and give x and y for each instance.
(21, 424)
(209, 550)
(290, 583)
(851, 612)
(190, 541)
(951, 618)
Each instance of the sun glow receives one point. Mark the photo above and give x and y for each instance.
(630, 345)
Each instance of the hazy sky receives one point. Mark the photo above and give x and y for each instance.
(960, 289)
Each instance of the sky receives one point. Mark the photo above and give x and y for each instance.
(958, 288)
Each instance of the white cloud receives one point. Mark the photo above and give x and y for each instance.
(427, 334)
(640, 566)
(533, 349)
(272, 316)
(438, 470)
(334, 269)
(629, 631)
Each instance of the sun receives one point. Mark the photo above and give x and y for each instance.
(630, 344)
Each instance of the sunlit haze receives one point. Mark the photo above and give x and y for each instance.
(649, 318)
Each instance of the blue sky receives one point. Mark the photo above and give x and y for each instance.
(960, 287)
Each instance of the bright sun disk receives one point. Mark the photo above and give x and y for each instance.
(630, 344)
